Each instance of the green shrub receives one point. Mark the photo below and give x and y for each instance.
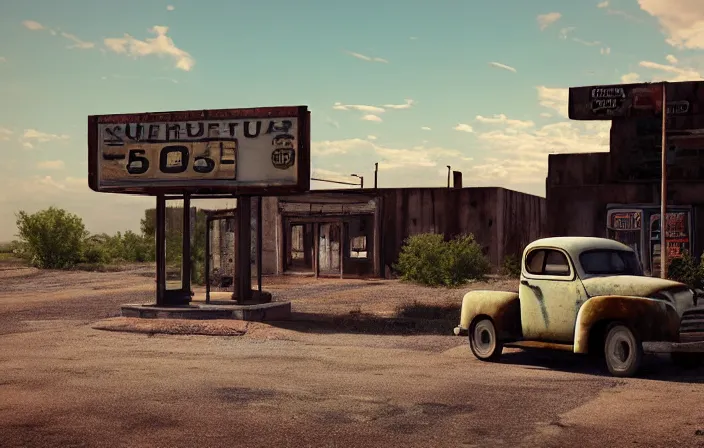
(687, 270)
(511, 266)
(95, 253)
(430, 260)
(52, 238)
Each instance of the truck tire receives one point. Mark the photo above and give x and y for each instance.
(623, 351)
(483, 341)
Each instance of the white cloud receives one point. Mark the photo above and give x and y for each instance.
(3, 59)
(604, 4)
(546, 115)
(554, 98)
(624, 14)
(588, 43)
(545, 20)
(359, 107)
(502, 66)
(5, 134)
(32, 137)
(426, 128)
(518, 154)
(371, 137)
(682, 21)
(606, 51)
(565, 31)
(556, 138)
(503, 119)
(372, 117)
(389, 158)
(671, 73)
(406, 105)
(367, 58)
(32, 25)
(413, 38)
(51, 165)
(630, 78)
(77, 43)
(161, 45)
(371, 112)
(170, 7)
(462, 127)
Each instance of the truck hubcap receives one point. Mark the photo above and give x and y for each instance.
(620, 351)
(484, 337)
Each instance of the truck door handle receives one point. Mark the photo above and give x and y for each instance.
(525, 282)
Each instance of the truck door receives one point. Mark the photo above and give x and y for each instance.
(550, 295)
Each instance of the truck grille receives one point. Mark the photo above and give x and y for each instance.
(692, 325)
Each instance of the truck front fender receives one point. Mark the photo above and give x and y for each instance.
(651, 320)
(503, 308)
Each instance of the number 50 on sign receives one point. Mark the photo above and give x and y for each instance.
(216, 159)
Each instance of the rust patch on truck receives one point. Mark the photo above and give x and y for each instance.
(502, 307)
(650, 320)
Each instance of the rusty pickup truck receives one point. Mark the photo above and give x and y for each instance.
(589, 296)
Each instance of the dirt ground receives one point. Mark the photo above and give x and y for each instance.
(354, 368)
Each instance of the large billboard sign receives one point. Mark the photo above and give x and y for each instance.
(624, 100)
(239, 151)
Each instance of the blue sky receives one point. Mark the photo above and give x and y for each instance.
(473, 84)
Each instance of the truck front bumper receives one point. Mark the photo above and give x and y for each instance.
(459, 331)
(673, 347)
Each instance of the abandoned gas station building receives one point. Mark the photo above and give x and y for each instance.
(616, 194)
(360, 232)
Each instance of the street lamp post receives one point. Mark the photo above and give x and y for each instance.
(376, 172)
(361, 179)
(448, 175)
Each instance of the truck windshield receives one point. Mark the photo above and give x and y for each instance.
(610, 262)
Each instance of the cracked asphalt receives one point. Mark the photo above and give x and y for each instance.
(64, 383)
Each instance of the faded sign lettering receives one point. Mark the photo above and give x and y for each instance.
(192, 150)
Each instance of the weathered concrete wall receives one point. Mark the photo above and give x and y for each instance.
(269, 235)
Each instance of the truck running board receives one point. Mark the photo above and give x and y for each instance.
(539, 344)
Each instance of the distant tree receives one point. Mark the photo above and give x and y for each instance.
(52, 238)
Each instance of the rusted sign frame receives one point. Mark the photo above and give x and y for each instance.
(206, 187)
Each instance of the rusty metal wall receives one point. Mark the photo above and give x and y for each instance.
(523, 220)
(502, 221)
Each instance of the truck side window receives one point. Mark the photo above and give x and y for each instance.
(534, 262)
(556, 263)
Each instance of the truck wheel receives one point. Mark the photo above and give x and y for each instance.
(622, 350)
(483, 341)
(687, 360)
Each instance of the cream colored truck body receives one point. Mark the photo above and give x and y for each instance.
(565, 306)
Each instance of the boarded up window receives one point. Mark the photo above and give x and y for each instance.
(358, 247)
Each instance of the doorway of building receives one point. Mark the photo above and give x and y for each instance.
(299, 256)
(329, 248)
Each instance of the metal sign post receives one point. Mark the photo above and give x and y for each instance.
(663, 187)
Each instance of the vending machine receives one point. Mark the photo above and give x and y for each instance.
(638, 226)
